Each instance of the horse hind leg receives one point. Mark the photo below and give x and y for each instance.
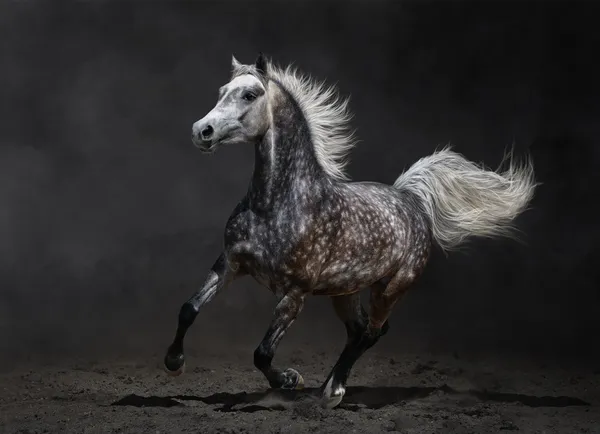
(363, 331)
(350, 311)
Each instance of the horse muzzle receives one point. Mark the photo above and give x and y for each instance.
(203, 138)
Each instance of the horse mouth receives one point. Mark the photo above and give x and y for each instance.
(206, 147)
(215, 143)
(211, 149)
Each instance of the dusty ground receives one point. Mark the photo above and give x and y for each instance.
(223, 393)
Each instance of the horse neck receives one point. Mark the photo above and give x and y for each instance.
(285, 165)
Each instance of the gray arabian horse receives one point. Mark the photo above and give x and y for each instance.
(303, 229)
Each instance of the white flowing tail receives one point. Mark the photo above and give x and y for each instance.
(463, 199)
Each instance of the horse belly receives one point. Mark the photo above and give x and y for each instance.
(354, 274)
(361, 260)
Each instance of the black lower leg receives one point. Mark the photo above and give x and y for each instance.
(285, 314)
(174, 359)
(350, 310)
(216, 280)
(278, 379)
(354, 349)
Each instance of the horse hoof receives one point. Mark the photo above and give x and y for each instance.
(293, 380)
(332, 397)
(174, 365)
(332, 401)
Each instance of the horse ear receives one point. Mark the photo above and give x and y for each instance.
(234, 63)
(261, 64)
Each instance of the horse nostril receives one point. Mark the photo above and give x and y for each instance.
(207, 132)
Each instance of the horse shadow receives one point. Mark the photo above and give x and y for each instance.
(355, 399)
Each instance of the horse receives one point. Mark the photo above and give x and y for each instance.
(303, 228)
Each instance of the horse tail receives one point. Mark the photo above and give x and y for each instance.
(463, 199)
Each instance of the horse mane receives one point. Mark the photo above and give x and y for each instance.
(326, 112)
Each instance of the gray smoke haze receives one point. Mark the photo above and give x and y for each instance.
(109, 218)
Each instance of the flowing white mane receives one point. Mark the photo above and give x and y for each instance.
(327, 115)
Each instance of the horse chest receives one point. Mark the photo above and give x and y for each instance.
(270, 250)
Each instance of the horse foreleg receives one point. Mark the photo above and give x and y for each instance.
(285, 313)
(218, 278)
(363, 332)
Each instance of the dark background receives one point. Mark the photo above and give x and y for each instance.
(110, 218)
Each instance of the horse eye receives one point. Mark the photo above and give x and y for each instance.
(249, 96)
